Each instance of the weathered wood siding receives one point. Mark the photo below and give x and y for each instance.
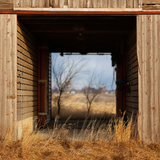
(49, 86)
(27, 73)
(6, 4)
(132, 76)
(8, 71)
(78, 3)
(148, 49)
(151, 4)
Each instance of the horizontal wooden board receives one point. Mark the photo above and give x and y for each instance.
(150, 1)
(132, 99)
(151, 7)
(26, 41)
(6, 4)
(132, 105)
(27, 76)
(27, 98)
(27, 87)
(32, 114)
(132, 94)
(26, 47)
(27, 53)
(27, 65)
(26, 104)
(26, 82)
(26, 110)
(26, 93)
(26, 70)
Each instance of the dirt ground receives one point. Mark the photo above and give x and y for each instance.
(75, 107)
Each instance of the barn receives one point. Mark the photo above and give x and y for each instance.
(31, 29)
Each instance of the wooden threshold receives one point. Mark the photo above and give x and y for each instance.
(79, 11)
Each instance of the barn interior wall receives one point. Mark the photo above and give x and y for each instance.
(131, 63)
(27, 79)
(8, 71)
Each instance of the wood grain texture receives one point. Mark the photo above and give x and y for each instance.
(27, 71)
(8, 71)
(78, 3)
(6, 4)
(148, 58)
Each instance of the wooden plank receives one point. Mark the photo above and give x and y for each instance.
(129, 3)
(26, 82)
(26, 59)
(130, 76)
(151, 7)
(132, 94)
(114, 3)
(132, 105)
(150, 2)
(34, 3)
(6, 4)
(70, 3)
(46, 3)
(26, 87)
(27, 54)
(16, 3)
(131, 110)
(25, 35)
(122, 4)
(26, 70)
(27, 104)
(27, 76)
(104, 3)
(22, 38)
(21, 117)
(27, 98)
(27, 65)
(55, 3)
(75, 3)
(27, 48)
(1, 62)
(27, 32)
(50, 3)
(61, 3)
(132, 99)
(26, 93)
(25, 110)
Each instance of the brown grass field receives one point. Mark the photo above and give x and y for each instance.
(75, 107)
(95, 142)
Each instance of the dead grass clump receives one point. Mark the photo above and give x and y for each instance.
(91, 143)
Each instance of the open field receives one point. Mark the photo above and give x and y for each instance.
(75, 106)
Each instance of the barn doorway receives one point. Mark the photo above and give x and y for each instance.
(89, 34)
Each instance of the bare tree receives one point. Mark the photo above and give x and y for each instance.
(92, 89)
(65, 73)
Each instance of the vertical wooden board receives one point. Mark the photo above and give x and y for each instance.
(114, 3)
(40, 3)
(61, 3)
(34, 3)
(89, 3)
(139, 55)
(16, 3)
(26, 3)
(75, 3)
(104, 3)
(109, 3)
(1, 22)
(50, 3)
(81, 4)
(70, 3)
(94, 3)
(135, 5)
(55, 3)
(21, 3)
(139, 3)
(9, 72)
(46, 3)
(121, 4)
(130, 4)
(4, 72)
(99, 4)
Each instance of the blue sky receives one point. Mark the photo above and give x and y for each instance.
(103, 65)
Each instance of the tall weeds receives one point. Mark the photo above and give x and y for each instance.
(96, 140)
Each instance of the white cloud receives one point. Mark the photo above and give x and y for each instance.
(103, 65)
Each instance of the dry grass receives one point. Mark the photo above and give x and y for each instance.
(121, 146)
(75, 106)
